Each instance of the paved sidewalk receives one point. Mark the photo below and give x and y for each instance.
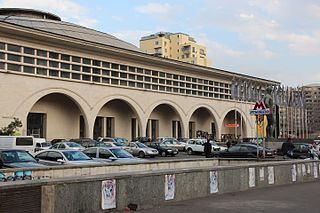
(298, 198)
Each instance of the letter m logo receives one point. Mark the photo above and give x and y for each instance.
(259, 105)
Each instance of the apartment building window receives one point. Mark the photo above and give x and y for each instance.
(53, 55)
(193, 49)
(29, 51)
(14, 48)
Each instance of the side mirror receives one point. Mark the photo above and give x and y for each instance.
(61, 161)
(113, 158)
(37, 159)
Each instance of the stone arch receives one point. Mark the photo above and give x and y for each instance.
(242, 116)
(214, 114)
(132, 104)
(173, 106)
(29, 102)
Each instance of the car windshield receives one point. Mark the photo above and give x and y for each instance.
(141, 145)
(120, 153)
(73, 145)
(16, 156)
(75, 155)
(121, 140)
(45, 144)
(119, 144)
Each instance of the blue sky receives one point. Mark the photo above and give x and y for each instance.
(273, 39)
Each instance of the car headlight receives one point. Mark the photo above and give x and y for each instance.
(169, 150)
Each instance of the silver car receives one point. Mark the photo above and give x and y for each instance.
(111, 154)
(140, 150)
(64, 157)
(67, 145)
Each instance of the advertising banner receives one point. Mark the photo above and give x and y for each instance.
(270, 175)
(169, 187)
(252, 177)
(294, 172)
(214, 182)
(108, 190)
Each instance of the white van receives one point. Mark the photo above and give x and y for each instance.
(18, 142)
(41, 144)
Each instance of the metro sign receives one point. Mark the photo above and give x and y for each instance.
(260, 109)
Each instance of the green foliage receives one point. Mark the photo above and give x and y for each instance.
(11, 128)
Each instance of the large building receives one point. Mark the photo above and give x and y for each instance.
(177, 46)
(67, 81)
(312, 95)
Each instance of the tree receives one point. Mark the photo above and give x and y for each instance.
(11, 128)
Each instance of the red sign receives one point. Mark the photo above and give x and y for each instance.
(231, 125)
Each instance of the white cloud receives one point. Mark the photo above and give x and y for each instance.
(154, 8)
(67, 9)
(246, 16)
(132, 36)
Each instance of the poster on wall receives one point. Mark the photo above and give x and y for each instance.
(315, 170)
(270, 175)
(294, 172)
(303, 168)
(261, 172)
(252, 177)
(169, 187)
(214, 182)
(108, 194)
(299, 170)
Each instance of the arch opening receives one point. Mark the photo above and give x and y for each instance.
(117, 118)
(56, 115)
(233, 127)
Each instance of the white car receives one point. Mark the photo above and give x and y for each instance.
(67, 145)
(196, 146)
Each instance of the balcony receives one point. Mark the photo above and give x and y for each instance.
(186, 49)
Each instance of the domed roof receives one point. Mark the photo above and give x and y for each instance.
(51, 23)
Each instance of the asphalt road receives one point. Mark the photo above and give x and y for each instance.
(298, 198)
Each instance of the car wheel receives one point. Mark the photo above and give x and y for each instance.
(189, 151)
(141, 155)
(163, 154)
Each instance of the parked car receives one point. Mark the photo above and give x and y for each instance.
(86, 142)
(110, 154)
(163, 149)
(41, 144)
(121, 140)
(16, 158)
(67, 145)
(64, 157)
(245, 151)
(113, 144)
(195, 146)
(142, 139)
(173, 143)
(57, 140)
(141, 150)
(301, 150)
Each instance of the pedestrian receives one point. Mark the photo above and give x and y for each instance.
(287, 148)
(207, 149)
(314, 152)
(228, 144)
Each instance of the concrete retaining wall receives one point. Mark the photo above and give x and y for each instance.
(147, 189)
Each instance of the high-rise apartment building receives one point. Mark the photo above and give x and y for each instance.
(178, 46)
(312, 94)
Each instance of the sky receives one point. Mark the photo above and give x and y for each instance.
(272, 39)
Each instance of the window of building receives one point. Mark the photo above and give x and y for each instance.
(132, 69)
(2, 55)
(86, 69)
(76, 67)
(76, 59)
(132, 84)
(155, 87)
(53, 55)
(162, 81)
(86, 77)
(14, 67)
(54, 64)
(86, 61)
(139, 70)
(162, 88)
(114, 74)
(123, 75)
(2, 46)
(115, 66)
(41, 53)
(65, 75)
(76, 76)
(14, 48)
(41, 62)
(53, 73)
(106, 80)
(12, 57)
(123, 83)
(169, 89)
(115, 81)
(96, 79)
(123, 67)
(65, 57)
(147, 72)
(29, 51)
(147, 86)
(148, 79)
(64, 66)
(96, 63)
(28, 69)
(169, 82)
(139, 78)
(162, 74)
(154, 80)
(41, 71)
(140, 85)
